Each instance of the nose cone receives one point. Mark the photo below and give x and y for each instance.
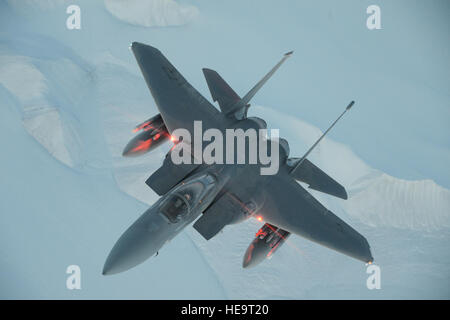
(256, 252)
(135, 246)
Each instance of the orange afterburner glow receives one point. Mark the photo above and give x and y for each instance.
(141, 126)
(273, 249)
(260, 233)
(142, 146)
(259, 218)
(290, 243)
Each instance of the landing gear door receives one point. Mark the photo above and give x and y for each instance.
(221, 213)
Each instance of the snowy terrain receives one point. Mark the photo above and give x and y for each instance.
(69, 100)
(153, 13)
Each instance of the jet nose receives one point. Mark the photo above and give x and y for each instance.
(135, 246)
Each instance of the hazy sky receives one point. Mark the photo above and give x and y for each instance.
(398, 76)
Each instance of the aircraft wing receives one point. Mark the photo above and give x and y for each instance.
(179, 103)
(289, 206)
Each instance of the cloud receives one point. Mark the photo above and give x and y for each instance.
(383, 200)
(41, 118)
(21, 78)
(151, 13)
(26, 5)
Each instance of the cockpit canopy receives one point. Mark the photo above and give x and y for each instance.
(174, 208)
(184, 198)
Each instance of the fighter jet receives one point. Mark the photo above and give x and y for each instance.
(218, 194)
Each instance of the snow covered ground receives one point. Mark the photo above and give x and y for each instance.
(69, 99)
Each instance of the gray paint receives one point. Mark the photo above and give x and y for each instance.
(278, 198)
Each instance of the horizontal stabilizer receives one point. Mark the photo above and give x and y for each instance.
(220, 91)
(318, 180)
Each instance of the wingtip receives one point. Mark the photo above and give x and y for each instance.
(208, 71)
(138, 46)
(288, 54)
